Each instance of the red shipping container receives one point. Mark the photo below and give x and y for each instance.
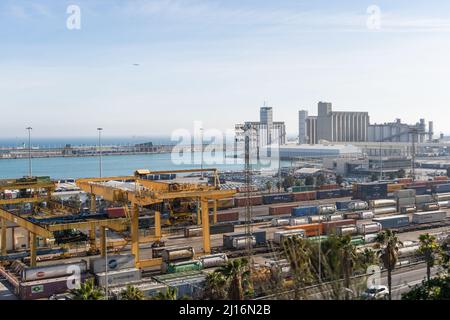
(114, 213)
(404, 180)
(226, 216)
(304, 196)
(283, 209)
(329, 226)
(441, 178)
(311, 229)
(254, 200)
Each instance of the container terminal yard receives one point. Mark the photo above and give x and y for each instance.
(169, 229)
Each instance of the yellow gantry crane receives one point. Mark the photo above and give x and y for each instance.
(145, 192)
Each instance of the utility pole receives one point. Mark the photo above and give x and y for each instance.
(413, 151)
(381, 162)
(100, 149)
(30, 172)
(201, 148)
(248, 207)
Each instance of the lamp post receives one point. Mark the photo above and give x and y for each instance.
(100, 149)
(106, 264)
(201, 148)
(29, 152)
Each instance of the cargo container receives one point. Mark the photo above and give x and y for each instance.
(442, 196)
(352, 215)
(358, 240)
(53, 271)
(304, 196)
(260, 238)
(441, 188)
(328, 194)
(213, 229)
(346, 230)
(149, 289)
(189, 283)
(393, 222)
(302, 188)
(429, 217)
(177, 254)
(382, 203)
(157, 252)
(371, 227)
(304, 211)
(298, 221)
(115, 262)
(342, 205)
(314, 229)
(254, 201)
(419, 190)
(330, 226)
(277, 198)
(444, 204)
(213, 260)
(222, 204)
(394, 187)
(408, 251)
(430, 206)
(335, 217)
(281, 209)
(421, 199)
(226, 216)
(407, 209)
(370, 238)
(326, 209)
(193, 232)
(280, 236)
(316, 219)
(280, 222)
(183, 266)
(440, 178)
(242, 242)
(404, 180)
(347, 192)
(386, 210)
(365, 215)
(118, 277)
(41, 289)
(406, 193)
(370, 191)
(358, 205)
(401, 202)
(114, 213)
(328, 187)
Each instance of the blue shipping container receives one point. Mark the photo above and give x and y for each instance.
(277, 198)
(393, 222)
(420, 191)
(260, 237)
(305, 211)
(342, 205)
(441, 188)
(346, 192)
(328, 194)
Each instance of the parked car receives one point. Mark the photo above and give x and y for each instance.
(376, 293)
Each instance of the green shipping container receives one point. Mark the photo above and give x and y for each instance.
(184, 266)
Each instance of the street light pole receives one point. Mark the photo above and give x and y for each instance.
(29, 152)
(100, 149)
(106, 264)
(201, 148)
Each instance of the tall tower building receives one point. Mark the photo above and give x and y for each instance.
(302, 134)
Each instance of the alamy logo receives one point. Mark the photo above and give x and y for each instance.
(73, 22)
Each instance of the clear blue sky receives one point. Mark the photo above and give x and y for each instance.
(217, 62)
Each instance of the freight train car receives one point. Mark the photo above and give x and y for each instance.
(277, 198)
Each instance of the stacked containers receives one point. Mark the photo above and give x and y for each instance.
(331, 226)
(405, 198)
(342, 205)
(189, 283)
(304, 196)
(179, 259)
(277, 198)
(370, 191)
(254, 201)
(121, 269)
(370, 227)
(280, 236)
(311, 230)
(440, 188)
(259, 238)
(358, 205)
(281, 209)
(328, 194)
(383, 206)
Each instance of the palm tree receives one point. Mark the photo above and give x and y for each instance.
(389, 244)
(237, 272)
(428, 247)
(269, 186)
(131, 293)
(215, 286)
(170, 294)
(87, 291)
(348, 251)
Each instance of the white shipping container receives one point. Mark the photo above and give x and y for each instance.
(382, 203)
(366, 215)
(53, 271)
(280, 222)
(444, 204)
(384, 210)
(344, 230)
(242, 242)
(119, 277)
(372, 227)
(406, 193)
(335, 217)
(406, 202)
(279, 236)
(298, 221)
(326, 209)
(358, 205)
(214, 260)
(424, 199)
(442, 196)
(316, 219)
(428, 217)
(369, 238)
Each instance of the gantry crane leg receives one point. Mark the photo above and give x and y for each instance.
(3, 237)
(33, 245)
(199, 216)
(93, 203)
(135, 233)
(92, 239)
(215, 211)
(205, 226)
(157, 224)
(103, 244)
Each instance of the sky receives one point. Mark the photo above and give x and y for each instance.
(149, 67)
